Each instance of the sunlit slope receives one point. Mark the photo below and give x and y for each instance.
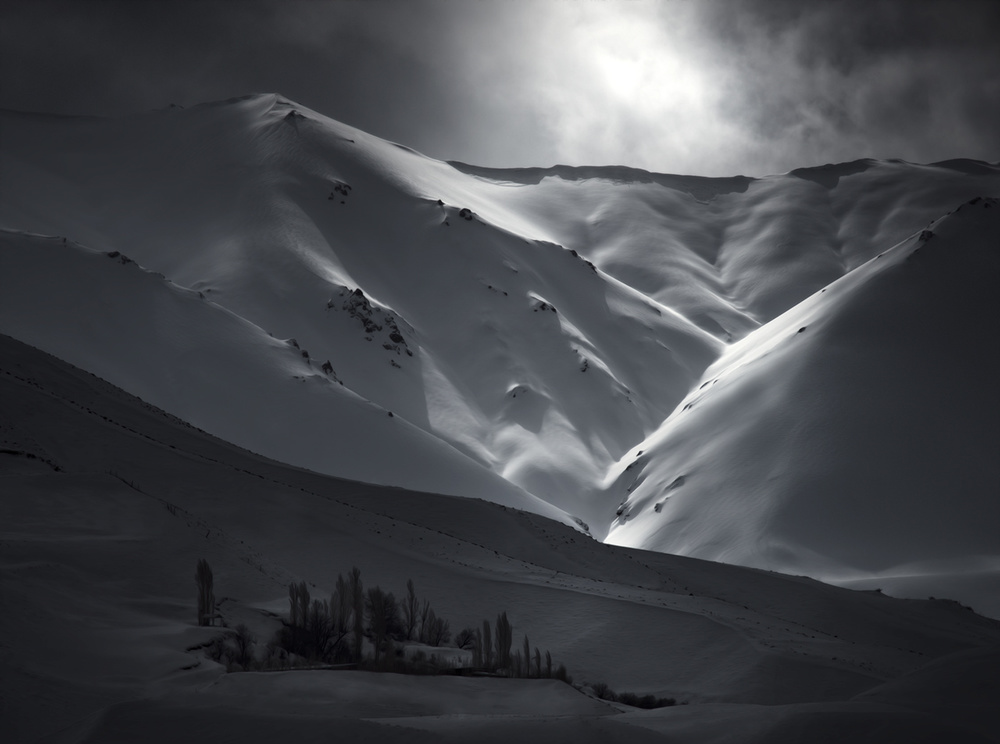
(515, 351)
(732, 253)
(181, 352)
(540, 321)
(855, 435)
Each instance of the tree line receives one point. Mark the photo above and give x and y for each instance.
(334, 630)
(338, 630)
(369, 628)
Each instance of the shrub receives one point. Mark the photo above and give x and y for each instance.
(466, 638)
(243, 643)
(602, 691)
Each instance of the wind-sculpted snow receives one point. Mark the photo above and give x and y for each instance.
(177, 350)
(794, 372)
(542, 322)
(855, 436)
(732, 253)
(275, 216)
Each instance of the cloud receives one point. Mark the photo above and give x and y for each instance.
(704, 87)
(840, 80)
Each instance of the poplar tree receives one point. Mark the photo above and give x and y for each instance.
(206, 593)
(411, 610)
(503, 641)
(358, 601)
(487, 646)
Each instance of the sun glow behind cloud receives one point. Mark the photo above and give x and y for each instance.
(609, 83)
(708, 87)
(719, 88)
(636, 83)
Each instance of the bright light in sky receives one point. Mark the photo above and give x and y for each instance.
(682, 86)
(629, 89)
(608, 83)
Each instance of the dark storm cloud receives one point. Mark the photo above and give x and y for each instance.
(409, 71)
(915, 80)
(705, 87)
(119, 57)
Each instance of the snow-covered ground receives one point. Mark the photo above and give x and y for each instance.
(480, 320)
(177, 350)
(108, 504)
(513, 351)
(614, 349)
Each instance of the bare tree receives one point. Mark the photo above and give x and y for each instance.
(378, 631)
(206, 593)
(411, 610)
(244, 641)
(393, 622)
(293, 604)
(319, 631)
(358, 609)
(438, 630)
(341, 611)
(477, 649)
(503, 641)
(466, 638)
(487, 646)
(304, 602)
(425, 613)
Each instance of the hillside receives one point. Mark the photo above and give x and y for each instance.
(108, 504)
(852, 438)
(176, 349)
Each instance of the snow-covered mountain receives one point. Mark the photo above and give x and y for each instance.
(171, 347)
(514, 351)
(531, 330)
(853, 437)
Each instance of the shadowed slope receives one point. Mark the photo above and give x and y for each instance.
(108, 504)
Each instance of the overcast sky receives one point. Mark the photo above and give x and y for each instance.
(677, 86)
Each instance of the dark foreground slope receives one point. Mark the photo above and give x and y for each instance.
(107, 504)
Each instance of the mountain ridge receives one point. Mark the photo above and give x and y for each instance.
(548, 322)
